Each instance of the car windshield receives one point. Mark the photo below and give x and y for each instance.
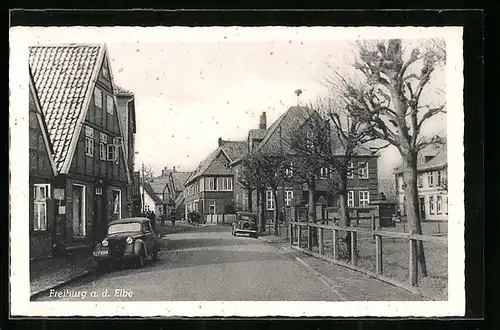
(246, 218)
(124, 227)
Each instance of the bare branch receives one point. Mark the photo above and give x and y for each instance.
(429, 114)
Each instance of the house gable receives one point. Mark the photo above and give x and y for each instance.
(219, 165)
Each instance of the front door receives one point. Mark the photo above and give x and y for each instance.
(421, 203)
(100, 215)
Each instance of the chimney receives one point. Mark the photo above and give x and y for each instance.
(263, 121)
(220, 142)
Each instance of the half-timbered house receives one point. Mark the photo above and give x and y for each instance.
(76, 91)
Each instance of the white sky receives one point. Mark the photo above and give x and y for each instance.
(188, 94)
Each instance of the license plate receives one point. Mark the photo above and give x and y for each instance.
(100, 253)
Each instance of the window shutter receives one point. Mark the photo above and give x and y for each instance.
(50, 213)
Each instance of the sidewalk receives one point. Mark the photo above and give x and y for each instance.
(52, 272)
(270, 238)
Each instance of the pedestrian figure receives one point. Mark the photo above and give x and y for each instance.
(162, 218)
(172, 218)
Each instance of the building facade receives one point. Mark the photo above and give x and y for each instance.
(42, 170)
(362, 182)
(432, 172)
(209, 190)
(79, 105)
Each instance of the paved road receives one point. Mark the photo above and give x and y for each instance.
(209, 264)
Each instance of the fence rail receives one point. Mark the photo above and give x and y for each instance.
(295, 239)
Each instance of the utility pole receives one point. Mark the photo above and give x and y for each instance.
(282, 179)
(143, 201)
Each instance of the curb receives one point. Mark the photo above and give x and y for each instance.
(60, 284)
(269, 241)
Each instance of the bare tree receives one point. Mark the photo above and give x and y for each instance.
(388, 99)
(148, 173)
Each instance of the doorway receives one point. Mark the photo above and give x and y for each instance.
(79, 219)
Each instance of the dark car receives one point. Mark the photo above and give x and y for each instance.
(245, 224)
(127, 239)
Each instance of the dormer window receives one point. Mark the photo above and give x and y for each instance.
(97, 97)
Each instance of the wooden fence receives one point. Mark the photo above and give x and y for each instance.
(220, 218)
(295, 237)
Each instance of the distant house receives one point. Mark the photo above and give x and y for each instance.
(174, 188)
(42, 170)
(432, 169)
(363, 188)
(75, 88)
(151, 200)
(159, 187)
(209, 189)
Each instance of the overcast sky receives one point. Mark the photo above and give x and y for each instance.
(188, 95)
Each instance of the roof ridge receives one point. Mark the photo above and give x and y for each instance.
(81, 44)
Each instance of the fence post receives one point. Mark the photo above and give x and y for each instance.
(309, 238)
(334, 244)
(321, 245)
(413, 263)
(378, 255)
(291, 233)
(354, 248)
(373, 224)
(299, 235)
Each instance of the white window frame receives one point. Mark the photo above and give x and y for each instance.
(431, 205)
(363, 172)
(89, 141)
(438, 178)
(288, 197)
(269, 200)
(350, 170)
(113, 151)
(364, 198)
(439, 204)
(430, 179)
(103, 140)
(350, 198)
(98, 97)
(212, 183)
(119, 203)
(324, 172)
(84, 208)
(289, 171)
(109, 104)
(226, 184)
(40, 204)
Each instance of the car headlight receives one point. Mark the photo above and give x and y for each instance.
(104, 243)
(129, 240)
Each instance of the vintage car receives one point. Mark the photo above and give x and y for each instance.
(127, 239)
(245, 224)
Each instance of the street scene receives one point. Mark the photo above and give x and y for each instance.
(275, 170)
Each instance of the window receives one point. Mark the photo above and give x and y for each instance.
(430, 179)
(363, 170)
(350, 198)
(439, 203)
(98, 98)
(212, 184)
(211, 207)
(103, 140)
(438, 179)
(89, 141)
(288, 197)
(41, 194)
(269, 200)
(350, 170)
(310, 140)
(112, 152)
(420, 180)
(226, 184)
(109, 104)
(289, 171)
(104, 72)
(324, 172)
(117, 203)
(431, 204)
(364, 198)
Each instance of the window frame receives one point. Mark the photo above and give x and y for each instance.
(109, 99)
(98, 92)
(210, 205)
(119, 202)
(350, 170)
(288, 197)
(431, 205)
(364, 202)
(420, 180)
(84, 210)
(269, 200)
(363, 172)
(350, 198)
(38, 224)
(89, 141)
(439, 204)
(430, 179)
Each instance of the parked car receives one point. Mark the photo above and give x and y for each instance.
(245, 224)
(127, 239)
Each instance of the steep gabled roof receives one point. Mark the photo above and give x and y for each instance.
(41, 122)
(230, 149)
(179, 179)
(439, 154)
(159, 184)
(65, 76)
(150, 191)
(256, 134)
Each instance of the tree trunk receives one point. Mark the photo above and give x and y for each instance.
(412, 205)
(276, 211)
(249, 200)
(345, 220)
(311, 214)
(262, 215)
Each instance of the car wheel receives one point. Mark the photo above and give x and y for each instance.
(140, 259)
